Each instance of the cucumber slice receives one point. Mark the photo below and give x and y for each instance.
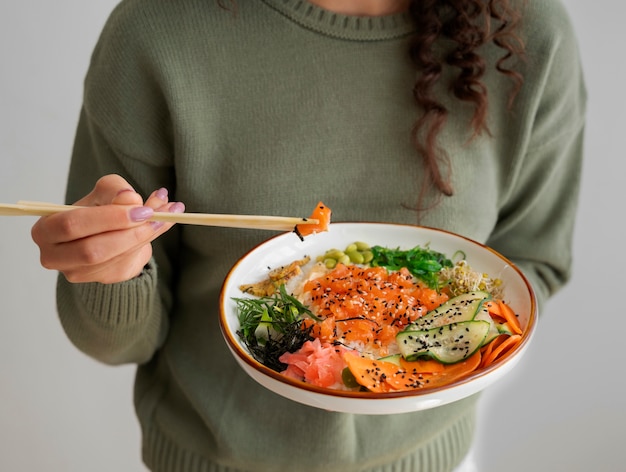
(393, 358)
(448, 344)
(265, 328)
(494, 332)
(460, 308)
(504, 328)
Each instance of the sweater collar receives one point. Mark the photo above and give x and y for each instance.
(348, 27)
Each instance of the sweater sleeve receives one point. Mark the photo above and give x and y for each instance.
(538, 208)
(123, 322)
(124, 128)
(116, 323)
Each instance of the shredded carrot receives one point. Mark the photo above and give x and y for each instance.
(494, 308)
(510, 342)
(456, 371)
(509, 315)
(422, 366)
(485, 351)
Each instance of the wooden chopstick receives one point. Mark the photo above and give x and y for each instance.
(275, 223)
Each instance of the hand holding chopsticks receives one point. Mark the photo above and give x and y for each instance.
(104, 237)
(275, 223)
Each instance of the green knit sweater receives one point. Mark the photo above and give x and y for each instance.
(267, 112)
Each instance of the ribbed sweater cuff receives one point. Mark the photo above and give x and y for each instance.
(117, 323)
(119, 304)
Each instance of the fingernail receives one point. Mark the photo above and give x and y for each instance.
(161, 194)
(141, 213)
(177, 207)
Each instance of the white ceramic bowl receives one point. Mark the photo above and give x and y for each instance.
(285, 248)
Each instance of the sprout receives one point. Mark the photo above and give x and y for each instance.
(460, 279)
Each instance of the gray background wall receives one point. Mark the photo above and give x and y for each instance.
(562, 409)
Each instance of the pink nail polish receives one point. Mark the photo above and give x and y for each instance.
(141, 213)
(161, 194)
(177, 207)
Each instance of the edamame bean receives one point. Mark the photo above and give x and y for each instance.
(355, 253)
(351, 248)
(367, 256)
(355, 256)
(361, 246)
(334, 253)
(330, 263)
(344, 259)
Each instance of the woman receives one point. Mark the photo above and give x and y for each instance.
(448, 113)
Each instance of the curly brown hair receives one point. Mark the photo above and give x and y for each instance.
(470, 24)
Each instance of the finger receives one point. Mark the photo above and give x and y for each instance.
(124, 267)
(109, 187)
(158, 199)
(85, 222)
(96, 250)
(174, 207)
(89, 254)
(127, 197)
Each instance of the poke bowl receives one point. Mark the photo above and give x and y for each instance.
(476, 303)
